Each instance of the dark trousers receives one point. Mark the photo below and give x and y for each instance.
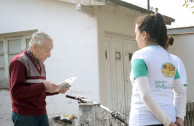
(25, 120)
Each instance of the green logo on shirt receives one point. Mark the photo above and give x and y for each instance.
(162, 85)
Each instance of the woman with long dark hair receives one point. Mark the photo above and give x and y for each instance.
(155, 77)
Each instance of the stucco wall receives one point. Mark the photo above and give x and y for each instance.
(5, 108)
(75, 48)
(183, 48)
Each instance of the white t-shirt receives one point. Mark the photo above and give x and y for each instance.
(181, 69)
(160, 68)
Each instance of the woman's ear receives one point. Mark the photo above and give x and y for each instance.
(144, 35)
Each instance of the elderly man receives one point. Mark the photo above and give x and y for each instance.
(28, 85)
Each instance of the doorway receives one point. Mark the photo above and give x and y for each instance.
(118, 53)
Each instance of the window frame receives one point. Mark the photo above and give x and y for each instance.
(24, 35)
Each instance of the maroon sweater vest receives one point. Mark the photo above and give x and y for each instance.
(26, 88)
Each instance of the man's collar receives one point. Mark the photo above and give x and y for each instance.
(33, 57)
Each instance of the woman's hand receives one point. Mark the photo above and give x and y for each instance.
(172, 124)
(179, 122)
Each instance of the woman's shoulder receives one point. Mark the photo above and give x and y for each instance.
(140, 54)
(144, 51)
(176, 58)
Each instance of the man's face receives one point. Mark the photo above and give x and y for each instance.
(44, 51)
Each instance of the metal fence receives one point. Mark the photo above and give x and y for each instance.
(189, 118)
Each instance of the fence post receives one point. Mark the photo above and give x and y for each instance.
(189, 118)
(89, 114)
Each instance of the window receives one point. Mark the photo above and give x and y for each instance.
(27, 42)
(1, 60)
(11, 44)
(130, 55)
(118, 55)
(13, 48)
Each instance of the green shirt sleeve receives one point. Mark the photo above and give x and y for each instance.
(177, 76)
(139, 68)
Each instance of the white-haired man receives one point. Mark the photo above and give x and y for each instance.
(28, 85)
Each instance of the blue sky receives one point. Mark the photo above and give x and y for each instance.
(173, 8)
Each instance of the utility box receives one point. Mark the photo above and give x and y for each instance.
(89, 114)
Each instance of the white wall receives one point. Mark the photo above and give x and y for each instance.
(75, 50)
(183, 48)
(5, 108)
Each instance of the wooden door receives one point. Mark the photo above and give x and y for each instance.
(118, 55)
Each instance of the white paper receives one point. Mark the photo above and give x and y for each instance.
(66, 83)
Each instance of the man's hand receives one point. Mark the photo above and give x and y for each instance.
(63, 90)
(179, 122)
(50, 87)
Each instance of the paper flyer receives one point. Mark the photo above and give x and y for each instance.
(66, 83)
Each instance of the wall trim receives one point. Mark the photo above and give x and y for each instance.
(19, 33)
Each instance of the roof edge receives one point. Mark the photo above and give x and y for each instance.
(181, 30)
(168, 20)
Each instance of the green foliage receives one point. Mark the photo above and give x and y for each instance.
(189, 3)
